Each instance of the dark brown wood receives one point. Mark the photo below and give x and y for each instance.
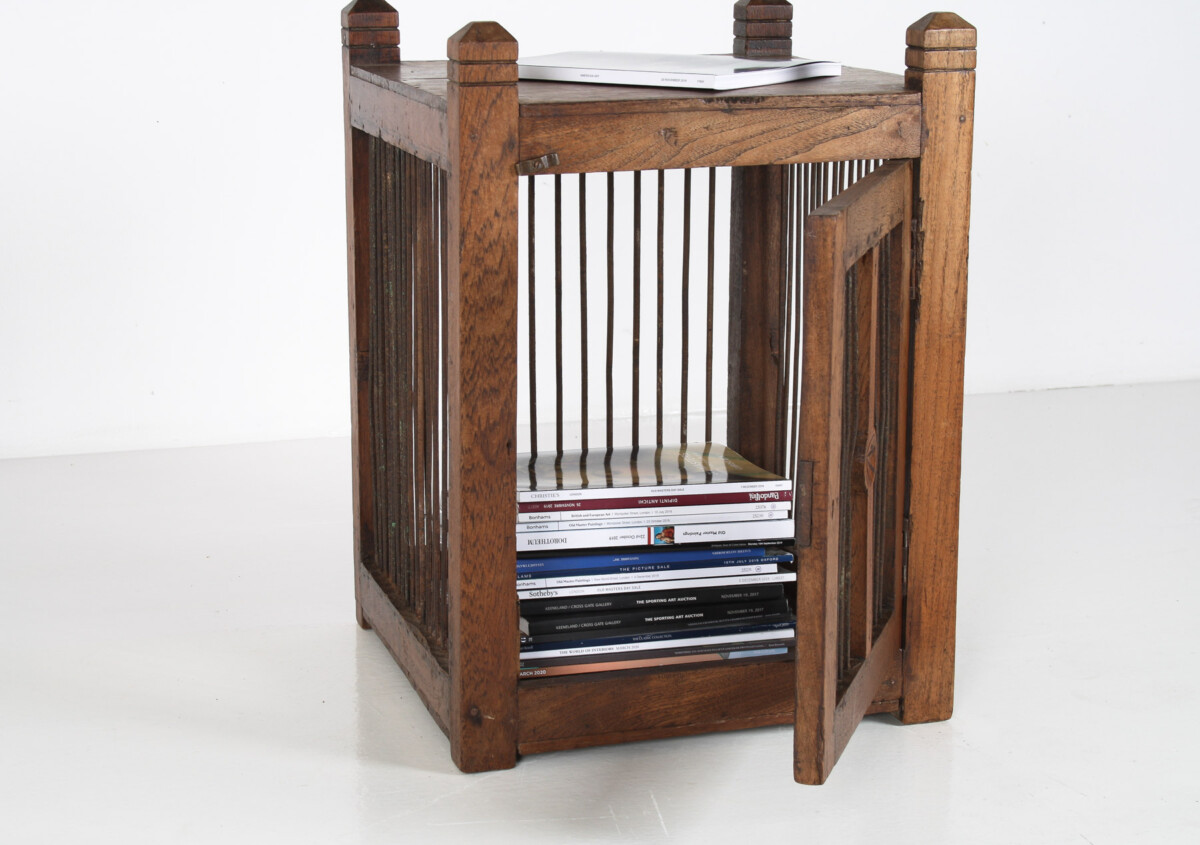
(358, 273)
(661, 301)
(939, 332)
(802, 503)
(722, 138)
(855, 87)
(636, 377)
(762, 48)
(531, 311)
(756, 281)
(835, 645)
(584, 381)
(610, 230)
(814, 120)
(757, 10)
(820, 447)
(784, 353)
(433, 243)
(762, 29)
(443, 608)
(370, 34)
(412, 125)
(375, 14)
(798, 213)
(558, 317)
(709, 296)
(598, 709)
(892, 392)
(481, 397)
(685, 284)
(858, 600)
(429, 388)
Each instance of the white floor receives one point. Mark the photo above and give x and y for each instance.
(179, 663)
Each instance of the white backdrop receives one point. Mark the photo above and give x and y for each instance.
(172, 252)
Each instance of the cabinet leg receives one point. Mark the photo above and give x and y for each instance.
(941, 62)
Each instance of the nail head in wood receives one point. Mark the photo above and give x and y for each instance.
(536, 165)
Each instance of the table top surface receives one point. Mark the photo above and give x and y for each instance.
(426, 81)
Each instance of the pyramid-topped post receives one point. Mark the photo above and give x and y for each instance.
(941, 65)
(481, 397)
(762, 29)
(482, 53)
(370, 32)
(940, 41)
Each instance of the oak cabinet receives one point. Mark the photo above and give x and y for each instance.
(842, 309)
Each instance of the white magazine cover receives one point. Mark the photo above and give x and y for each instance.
(713, 72)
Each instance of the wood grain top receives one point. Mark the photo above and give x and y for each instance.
(425, 82)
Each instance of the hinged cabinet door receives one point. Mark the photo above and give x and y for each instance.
(853, 415)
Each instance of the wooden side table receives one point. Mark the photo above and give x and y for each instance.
(847, 299)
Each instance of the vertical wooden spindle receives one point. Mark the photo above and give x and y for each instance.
(418, 222)
(637, 308)
(430, 382)
(444, 311)
(584, 382)
(799, 214)
(531, 306)
(403, 434)
(661, 282)
(685, 285)
(710, 296)
(608, 368)
(779, 437)
(558, 317)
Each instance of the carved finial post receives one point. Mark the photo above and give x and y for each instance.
(370, 32)
(762, 29)
(481, 397)
(940, 41)
(941, 62)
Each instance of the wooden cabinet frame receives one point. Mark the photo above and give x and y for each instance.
(433, 156)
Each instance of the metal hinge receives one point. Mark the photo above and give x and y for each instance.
(536, 165)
